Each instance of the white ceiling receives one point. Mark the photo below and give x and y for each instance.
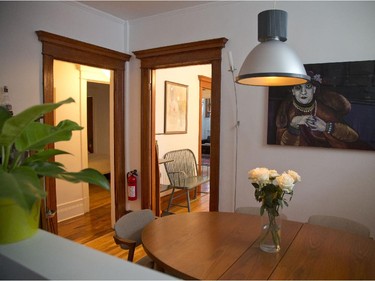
(130, 10)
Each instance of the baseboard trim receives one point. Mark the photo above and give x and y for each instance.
(70, 210)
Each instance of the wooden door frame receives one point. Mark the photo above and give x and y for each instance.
(56, 47)
(194, 53)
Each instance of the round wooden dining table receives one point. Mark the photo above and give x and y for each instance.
(220, 245)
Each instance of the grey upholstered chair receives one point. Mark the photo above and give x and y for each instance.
(248, 210)
(254, 211)
(340, 224)
(128, 231)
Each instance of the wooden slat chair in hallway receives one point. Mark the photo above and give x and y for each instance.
(183, 174)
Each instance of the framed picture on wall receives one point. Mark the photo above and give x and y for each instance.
(335, 109)
(175, 109)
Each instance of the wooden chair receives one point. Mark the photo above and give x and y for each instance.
(128, 231)
(182, 171)
(340, 224)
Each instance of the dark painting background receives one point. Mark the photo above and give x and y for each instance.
(355, 81)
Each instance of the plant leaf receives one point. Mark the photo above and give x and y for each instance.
(262, 210)
(4, 115)
(47, 169)
(22, 185)
(56, 170)
(15, 125)
(87, 175)
(43, 155)
(37, 135)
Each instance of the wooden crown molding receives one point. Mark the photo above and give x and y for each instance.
(54, 45)
(203, 52)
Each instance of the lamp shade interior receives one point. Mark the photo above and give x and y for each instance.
(272, 63)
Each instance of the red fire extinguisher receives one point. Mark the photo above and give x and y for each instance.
(132, 185)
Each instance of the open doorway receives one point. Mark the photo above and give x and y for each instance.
(57, 47)
(189, 136)
(205, 124)
(194, 53)
(98, 127)
(99, 145)
(90, 147)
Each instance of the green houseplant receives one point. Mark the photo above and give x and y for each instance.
(25, 161)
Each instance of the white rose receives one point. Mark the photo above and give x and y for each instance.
(259, 175)
(273, 173)
(286, 182)
(296, 177)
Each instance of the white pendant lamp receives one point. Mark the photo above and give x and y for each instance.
(272, 62)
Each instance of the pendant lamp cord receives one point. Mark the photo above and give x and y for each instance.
(232, 69)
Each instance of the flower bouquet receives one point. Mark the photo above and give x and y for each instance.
(270, 189)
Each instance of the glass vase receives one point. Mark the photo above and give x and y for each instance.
(270, 235)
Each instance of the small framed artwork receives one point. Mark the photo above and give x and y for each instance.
(175, 109)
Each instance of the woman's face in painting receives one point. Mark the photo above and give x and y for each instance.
(304, 94)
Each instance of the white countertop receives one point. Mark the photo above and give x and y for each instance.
(48, 256)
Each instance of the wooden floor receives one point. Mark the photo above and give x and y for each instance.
(94, 230)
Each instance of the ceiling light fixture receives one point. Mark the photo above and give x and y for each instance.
(272, 62)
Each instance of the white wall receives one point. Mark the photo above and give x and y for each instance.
(187, 75)
(335, 182)
(20, 49)
(21, 58)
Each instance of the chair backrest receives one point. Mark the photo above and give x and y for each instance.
(184, 164)
(130, 226)
(340, 224)
(254, 211)
(248, 210)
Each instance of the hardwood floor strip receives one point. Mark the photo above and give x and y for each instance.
(94, 229)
